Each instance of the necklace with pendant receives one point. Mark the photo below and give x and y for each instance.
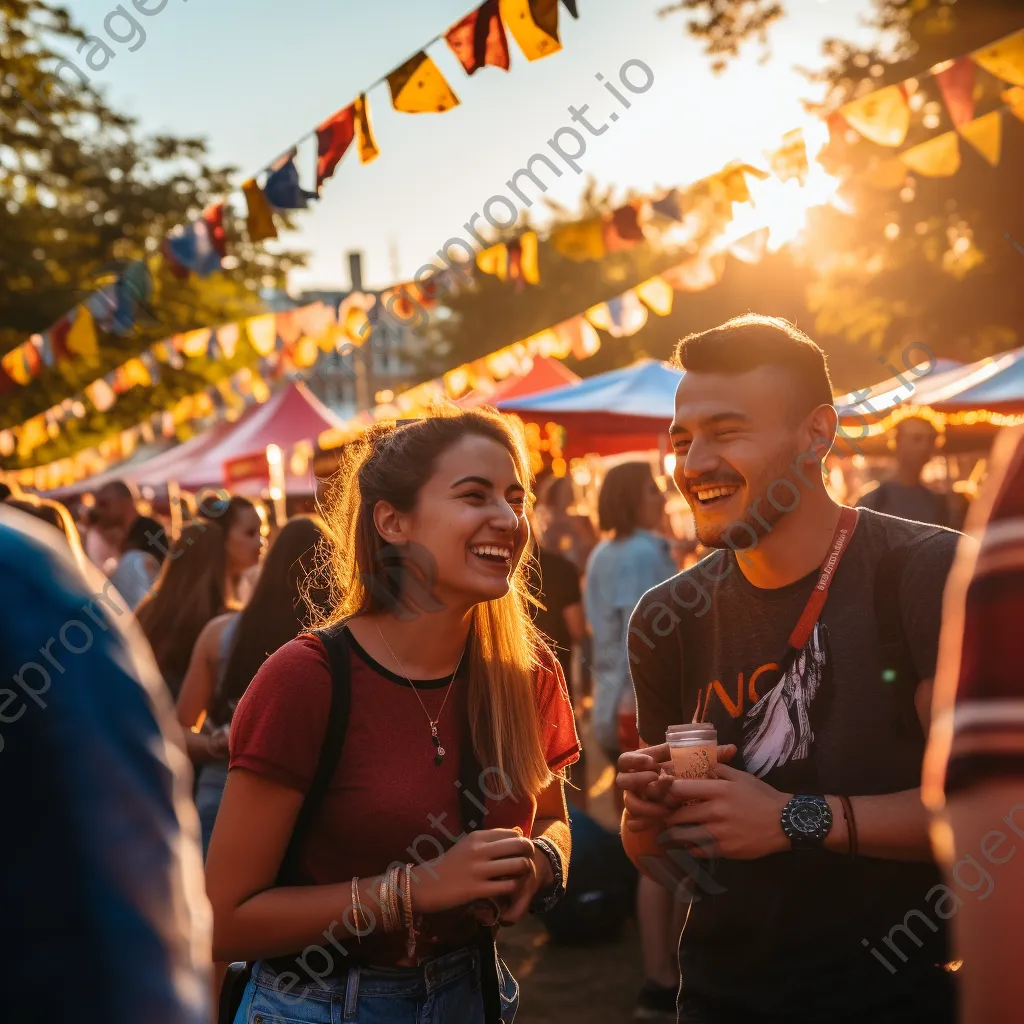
(434, 738)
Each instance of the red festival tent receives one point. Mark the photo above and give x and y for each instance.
(545, 374)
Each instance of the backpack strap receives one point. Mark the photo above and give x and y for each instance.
(335, 641)
(899, 676)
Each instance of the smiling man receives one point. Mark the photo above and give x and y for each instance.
(809, 640)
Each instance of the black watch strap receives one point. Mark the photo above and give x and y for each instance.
(807, 821)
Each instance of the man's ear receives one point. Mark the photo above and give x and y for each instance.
(822, 424)
(390, 523)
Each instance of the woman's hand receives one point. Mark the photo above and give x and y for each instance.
(488, 864)
(536, 878)
(219, 742)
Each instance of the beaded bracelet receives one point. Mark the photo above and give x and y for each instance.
(410, 920)
(357, 910)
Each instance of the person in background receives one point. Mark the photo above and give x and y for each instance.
(430, 637)
(974, 771)
(555, 585)
(100, 848)
(195, 585)
(233, 646)
(245, 529)
(54, 513)
(570, 535)
(621, 569)
(906, 496)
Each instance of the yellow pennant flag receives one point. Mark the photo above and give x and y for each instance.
(262, 331)
(882, 116)
(227, 338)
(364, 130)
(985, 134)
(529, 266)
(195, 343)
(134, 372)
(494, 261)
(101, 394)
(582, 241)
(16, 367)
(656, 293)
(1004, 59)
(260, 224)
(936, 158)
(600, 316)
(418, 87)
(82, 336)
(1015, 98)
(533, 24)
(31, 435)
(305, 352)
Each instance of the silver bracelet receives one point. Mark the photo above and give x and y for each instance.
(547, 898)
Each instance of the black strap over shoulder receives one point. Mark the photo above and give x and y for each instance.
(335, 641)
(898, 672)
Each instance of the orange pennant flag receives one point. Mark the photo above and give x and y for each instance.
(16, 367)
(985, 134)
(260, 224)
(195, 343)
(956, 83)
(882, 116)
(936, 158)
(364, 130)
(333, 138)
(1015, 98)
(479, 39)
(1004, 59)
(418, 87)
(533, 24)
(696, 274)
(529, 266)
(494, 261)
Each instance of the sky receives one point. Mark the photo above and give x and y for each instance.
(253, 76)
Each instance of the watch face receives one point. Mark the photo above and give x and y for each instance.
(807, 818)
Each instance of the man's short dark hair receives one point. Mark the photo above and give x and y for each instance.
(751, 341)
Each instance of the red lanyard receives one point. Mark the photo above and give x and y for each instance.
(816, 602)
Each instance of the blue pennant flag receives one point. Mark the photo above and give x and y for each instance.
(283, 190)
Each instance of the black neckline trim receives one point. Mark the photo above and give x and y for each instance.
(419, 684)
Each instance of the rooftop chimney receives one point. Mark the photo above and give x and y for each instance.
(355, 270)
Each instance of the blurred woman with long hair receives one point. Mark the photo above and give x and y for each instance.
(448, 690)
(232, 647)
(197, 583)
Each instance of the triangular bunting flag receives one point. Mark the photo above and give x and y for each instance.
(262, 331)
(529, 266)
(600, 316)
(570, 6)
(751, 248)
(418, 87)
(790, 159)
(657, 294)
(581, 241)
(669, 205)
(333, 138)
(15, 367)
(494, 261)
(82, 336)
(697, 274)
(1004, 59)
(534, 25)
(213, 218)
(134, 373)
(628, 315)
(260, 224)
(479, 39)
(283, 189)
(882, 116)
(936, 158)
(1015, 98)
(622, 229)
(227, 337)
(956, 83)
(985, 134)
(195, 343)
(368, 150)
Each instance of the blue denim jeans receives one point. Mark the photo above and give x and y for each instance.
(210, 781)
(444, 990)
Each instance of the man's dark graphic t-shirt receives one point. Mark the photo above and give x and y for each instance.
(792, 934)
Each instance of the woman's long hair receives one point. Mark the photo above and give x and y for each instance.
(392, 464)
(281, 606)
(620, 498)
(190, 590)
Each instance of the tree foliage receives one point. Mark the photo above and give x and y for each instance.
(81, 188)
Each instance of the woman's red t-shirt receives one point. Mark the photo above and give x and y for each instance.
(387, 801)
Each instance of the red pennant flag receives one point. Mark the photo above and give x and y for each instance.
(333, 138)
(956, 84)
(479, 39)
(213, 216)
(622, 230)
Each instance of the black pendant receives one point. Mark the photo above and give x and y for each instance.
(438, 759)
(435, 741)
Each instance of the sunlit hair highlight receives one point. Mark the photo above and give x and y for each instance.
(392, 463)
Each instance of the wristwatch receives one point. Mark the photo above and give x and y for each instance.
(807, 820)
